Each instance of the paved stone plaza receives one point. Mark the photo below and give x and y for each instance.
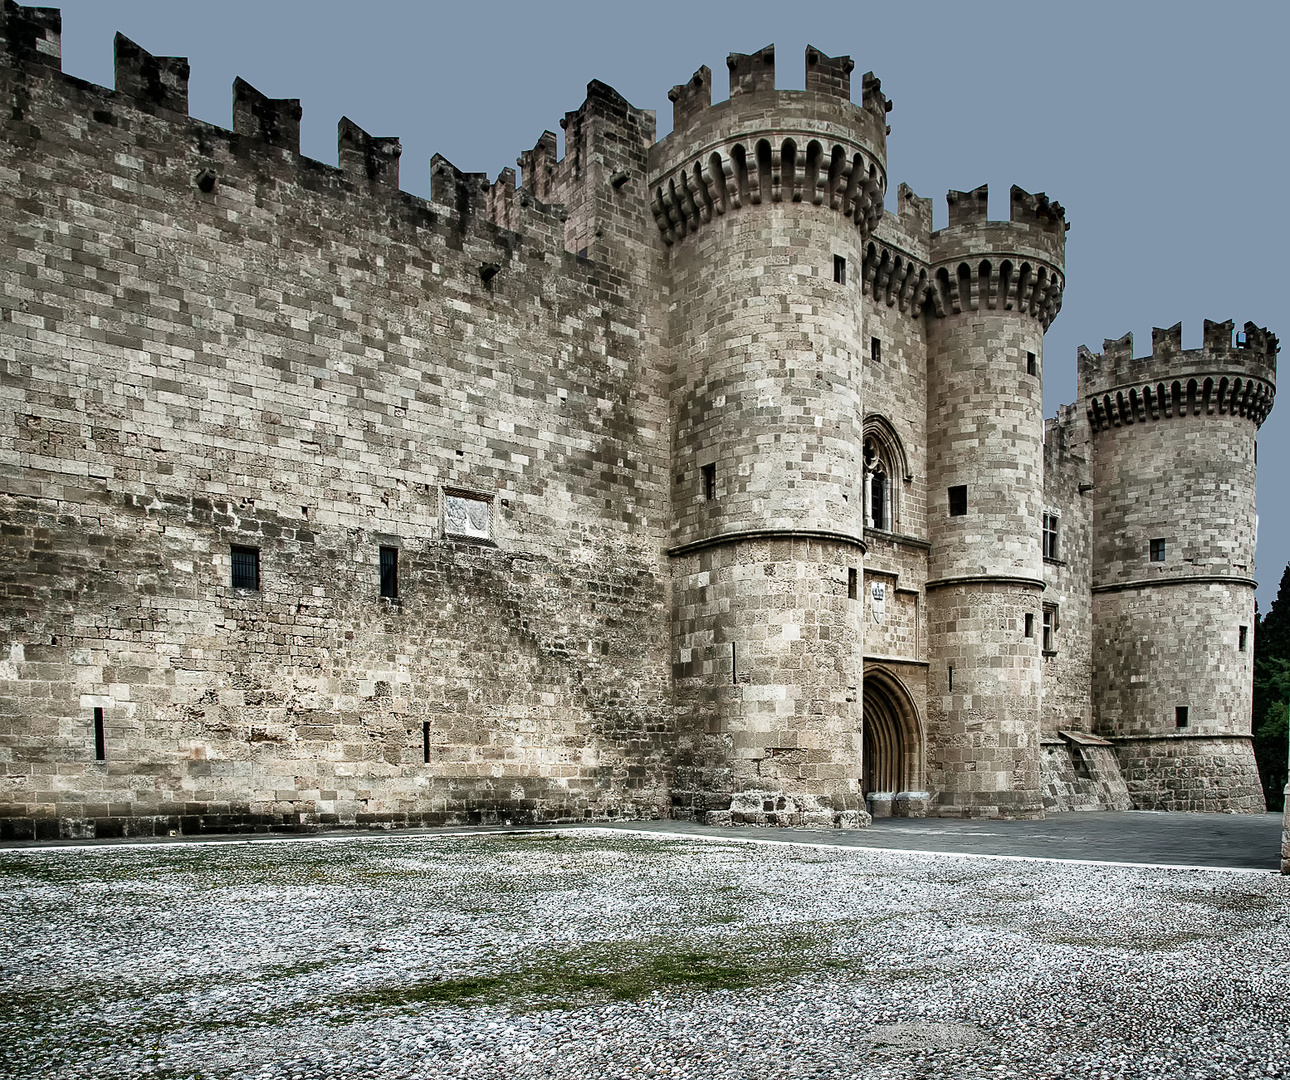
(606, 953)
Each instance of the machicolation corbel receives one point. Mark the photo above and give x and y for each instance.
(275, 121)
(206, 180)
(161, 81)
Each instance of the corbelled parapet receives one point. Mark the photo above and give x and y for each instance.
(823, 149)
(160, 80)
(1231, 374)
(895, 270)
(1014, 265)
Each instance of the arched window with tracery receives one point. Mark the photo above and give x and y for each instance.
(884, 469)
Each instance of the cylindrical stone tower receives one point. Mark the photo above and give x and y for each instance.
(998, 286)
(1173, 561)
(764, 202)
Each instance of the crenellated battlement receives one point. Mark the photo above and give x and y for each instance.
(161, 80)
(274, 121)
(32, 35)
(158, 85)
(822, 149)
(367, 158)
(1014, 265)
(1231, 374)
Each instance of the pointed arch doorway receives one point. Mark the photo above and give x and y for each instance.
(892, 742)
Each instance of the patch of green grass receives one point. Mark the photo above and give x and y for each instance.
(609, 972)
(575, 978)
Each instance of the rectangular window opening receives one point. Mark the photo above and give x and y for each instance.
(1241, 637)
(853, 583)
(1030, 624)
(709, 475)
(390, 572)
(246, 567)
(958, 501)
(1050, 536)
(1032, 365)
(1180, 716)
(734, 666)
(839, 269)
(1047, 629)
(875, 350)
(425, 741)
(100, 743)
(1158, 550)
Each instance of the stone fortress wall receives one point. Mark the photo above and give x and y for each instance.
(627, 491)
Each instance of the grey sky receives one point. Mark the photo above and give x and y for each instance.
(1160, 127)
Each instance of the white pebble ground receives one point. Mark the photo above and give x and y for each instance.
(605, 954)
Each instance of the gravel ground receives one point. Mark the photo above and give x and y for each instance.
(605, 954)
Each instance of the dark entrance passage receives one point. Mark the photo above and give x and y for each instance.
(892, 744)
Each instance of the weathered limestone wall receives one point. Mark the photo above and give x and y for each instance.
(985, 434)
(1173, 469)
(1067, 665)
(767, 682)
(310, 363)
(767, 409)
(1081, 772)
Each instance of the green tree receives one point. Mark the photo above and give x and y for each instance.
(1272, 694)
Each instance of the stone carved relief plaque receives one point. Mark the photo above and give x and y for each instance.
(465, 515)
(878, 595)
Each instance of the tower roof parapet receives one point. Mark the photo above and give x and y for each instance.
(819, 148)
(1014, 265)
(1231, 374)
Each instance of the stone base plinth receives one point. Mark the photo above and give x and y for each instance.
(1208, 773)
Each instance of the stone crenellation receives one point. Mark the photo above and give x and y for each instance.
(665, 478)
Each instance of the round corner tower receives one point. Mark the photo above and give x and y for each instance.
(997, 285)
(763, 204)
(1173, 560)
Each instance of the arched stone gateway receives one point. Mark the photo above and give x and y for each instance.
(894, 778)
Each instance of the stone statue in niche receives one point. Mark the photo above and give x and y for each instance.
(464, 516)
